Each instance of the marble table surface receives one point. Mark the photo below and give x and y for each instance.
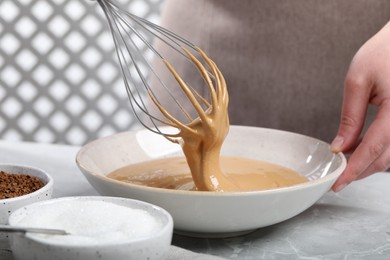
(352, 224)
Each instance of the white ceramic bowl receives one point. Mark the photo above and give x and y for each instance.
(152, 245)
(11, 204)
(212, 214)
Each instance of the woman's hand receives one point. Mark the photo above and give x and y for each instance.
(367, 82)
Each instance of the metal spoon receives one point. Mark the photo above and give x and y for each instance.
(12, 229)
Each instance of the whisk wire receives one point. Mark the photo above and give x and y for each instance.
(163, 31)
(141, 21)
(123, 62)
(126, 28)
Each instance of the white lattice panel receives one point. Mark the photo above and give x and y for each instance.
(59, 78)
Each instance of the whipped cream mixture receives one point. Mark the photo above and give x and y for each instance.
(201, 141)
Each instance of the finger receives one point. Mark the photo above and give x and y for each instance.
(354, 109)
(370, 155)
(380, 165)
(353, 147)
(363, 156)
(357, 164)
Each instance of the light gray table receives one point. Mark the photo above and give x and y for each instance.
(353, 224)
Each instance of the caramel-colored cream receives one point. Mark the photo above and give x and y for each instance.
(201, 141)
(174, 173)
(202, 138)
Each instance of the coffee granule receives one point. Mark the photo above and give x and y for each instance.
(15, 185)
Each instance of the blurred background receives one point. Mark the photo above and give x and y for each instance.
(59, 78)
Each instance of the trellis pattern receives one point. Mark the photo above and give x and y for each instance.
(59, 78)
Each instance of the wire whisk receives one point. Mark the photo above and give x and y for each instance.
(150, 59)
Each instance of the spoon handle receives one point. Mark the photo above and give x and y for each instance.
(13, 229)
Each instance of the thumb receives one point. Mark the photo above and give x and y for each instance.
(354, 109)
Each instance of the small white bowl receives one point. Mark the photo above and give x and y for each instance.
(151, 245)
(11, 204)
(214, 214)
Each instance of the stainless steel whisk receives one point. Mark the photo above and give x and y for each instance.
(142, 64)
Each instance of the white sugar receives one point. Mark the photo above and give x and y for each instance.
(91, 222)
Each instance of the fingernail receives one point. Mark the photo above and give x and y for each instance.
(337, 144)
(340, 187)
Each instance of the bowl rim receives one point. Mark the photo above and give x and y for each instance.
(47, 186)
(168, 225)
(333, 175)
